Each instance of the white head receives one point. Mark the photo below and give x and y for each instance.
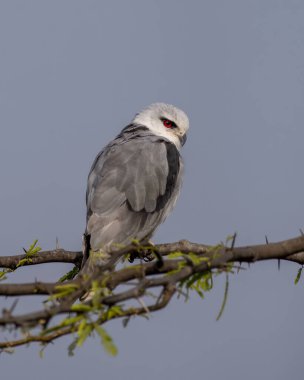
(166, 121)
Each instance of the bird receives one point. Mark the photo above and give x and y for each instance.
(135, 180)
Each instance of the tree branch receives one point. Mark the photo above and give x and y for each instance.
(184, 264)
(45, 257)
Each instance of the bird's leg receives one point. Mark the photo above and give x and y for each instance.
(154, 251)
(141, 251)
(146, 253)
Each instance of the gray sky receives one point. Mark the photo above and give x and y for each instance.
(72, 74)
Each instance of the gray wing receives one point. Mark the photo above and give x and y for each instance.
(131, 188)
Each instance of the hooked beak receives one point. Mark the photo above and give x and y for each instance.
(183, 139)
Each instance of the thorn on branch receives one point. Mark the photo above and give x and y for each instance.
(233, 241)
(142, 303)
(126, 321)
(12, 308)
(57, 243)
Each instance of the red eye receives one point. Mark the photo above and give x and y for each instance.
(167, 123)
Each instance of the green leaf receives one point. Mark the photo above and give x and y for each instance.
(199, 282)
(195, 258)
(84, 333)
(297, 279)
(97, 294)
(84, 330)
(81, 326)
(65, 322)
(224, 299)
(63, 291)
(24, 261)
(180, 265)
(82, 308)
(113, 312)
(32, 251)
(41, 352)
(175, 255)
(71, 347)
(3, 274)
(70, 275)
(106, 340)
(71, 320)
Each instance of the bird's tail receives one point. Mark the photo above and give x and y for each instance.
(91, 260)
(86, 246)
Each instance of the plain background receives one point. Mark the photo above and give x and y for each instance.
(72, 75)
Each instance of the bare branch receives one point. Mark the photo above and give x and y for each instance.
(45, 257)
(188, 262)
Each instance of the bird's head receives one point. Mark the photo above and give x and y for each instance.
(166, 121)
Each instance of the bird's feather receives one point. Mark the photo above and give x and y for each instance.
(132, 186)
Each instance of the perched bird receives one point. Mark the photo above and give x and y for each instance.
(135, 180)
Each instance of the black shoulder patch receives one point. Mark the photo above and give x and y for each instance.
(86, 248)
(174, 165)
(132, 129)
